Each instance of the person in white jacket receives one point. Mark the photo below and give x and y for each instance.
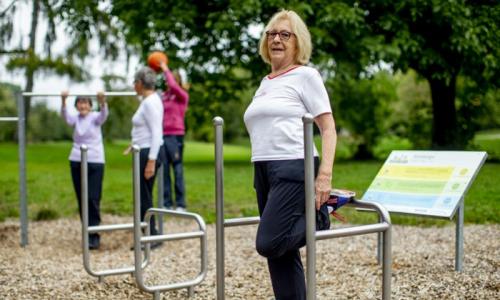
(147, 133)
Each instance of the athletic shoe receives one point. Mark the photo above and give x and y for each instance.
(181, 209)
(94, 241)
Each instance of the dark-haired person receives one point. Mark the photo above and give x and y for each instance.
(87, 130)
(274, 123)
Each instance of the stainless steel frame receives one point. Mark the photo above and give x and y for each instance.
(86, 229)
(21, 136)
(146, 240)
(311, 235)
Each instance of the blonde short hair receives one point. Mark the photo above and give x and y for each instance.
(299, 28)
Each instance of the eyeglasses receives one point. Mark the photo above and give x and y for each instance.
(284, 35)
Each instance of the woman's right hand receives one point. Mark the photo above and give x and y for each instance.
(101, 98)
(64, 95)
(163, 66)
(127, 150)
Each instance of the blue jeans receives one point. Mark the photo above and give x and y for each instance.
(174, 146)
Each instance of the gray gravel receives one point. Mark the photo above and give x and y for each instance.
(423, 264)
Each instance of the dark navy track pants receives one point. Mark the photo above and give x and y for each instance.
(279, 186)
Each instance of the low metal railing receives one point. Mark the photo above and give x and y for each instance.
(383, 227)
(86, 229)
(147, 239)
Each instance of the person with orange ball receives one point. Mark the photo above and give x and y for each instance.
(175, 102)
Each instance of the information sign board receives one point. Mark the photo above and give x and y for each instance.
(427, 183)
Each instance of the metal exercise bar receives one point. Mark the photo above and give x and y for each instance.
(86, 229)
(83, 94)
(146, 240)
(9, 119)
(218, 122)
(21, 129)
(459, 237)
(310, 207)
(21, 138)
(384, 226)
(312, 236)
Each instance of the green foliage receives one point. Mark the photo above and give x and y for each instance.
(388, 143)
(8, 109)
(119, 122)
(47, 125)
(488, 141)
(362, 107)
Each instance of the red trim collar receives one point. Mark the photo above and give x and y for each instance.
(277, 75)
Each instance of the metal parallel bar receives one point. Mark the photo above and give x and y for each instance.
(148, 239)
(356, 230)
(86, 229)
(310, 207)
(241, 221)
(21, 138)
(84, 183)
(180, 214)
(312, 235)
(219, 206)
(117, 271)
(85, 94)
(9, 119)
(113, 227)
(459, 237)
(387, 260)
(155, 289)
(137, 216)
(159, 184)
(380, 241)
(172, 237)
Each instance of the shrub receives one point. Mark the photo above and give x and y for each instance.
(386, 144)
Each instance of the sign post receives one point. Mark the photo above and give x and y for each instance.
(427, 183)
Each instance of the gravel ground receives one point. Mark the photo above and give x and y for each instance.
(50, 267)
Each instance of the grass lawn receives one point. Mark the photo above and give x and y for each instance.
(50, 193)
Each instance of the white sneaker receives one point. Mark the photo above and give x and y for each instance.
(169, 207)
(181, 209)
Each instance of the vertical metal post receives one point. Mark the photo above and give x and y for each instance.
(219, 206)
(84, 184)
(21, 137)
(459, 237)
(159, 183)
(387, 261)
(380, 240)
(137, 213)
(310, 207)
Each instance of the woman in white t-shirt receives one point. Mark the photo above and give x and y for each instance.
(274, 123)
(147, 133)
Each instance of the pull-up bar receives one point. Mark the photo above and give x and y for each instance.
(85, 94)
(21, 129)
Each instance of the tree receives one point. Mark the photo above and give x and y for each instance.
(439, 39)
(82, 19)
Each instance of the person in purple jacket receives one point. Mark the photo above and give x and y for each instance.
(175, 102)
(87, 130)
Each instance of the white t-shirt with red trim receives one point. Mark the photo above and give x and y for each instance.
(274, 117)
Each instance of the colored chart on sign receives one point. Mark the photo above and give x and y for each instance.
(425, 182)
